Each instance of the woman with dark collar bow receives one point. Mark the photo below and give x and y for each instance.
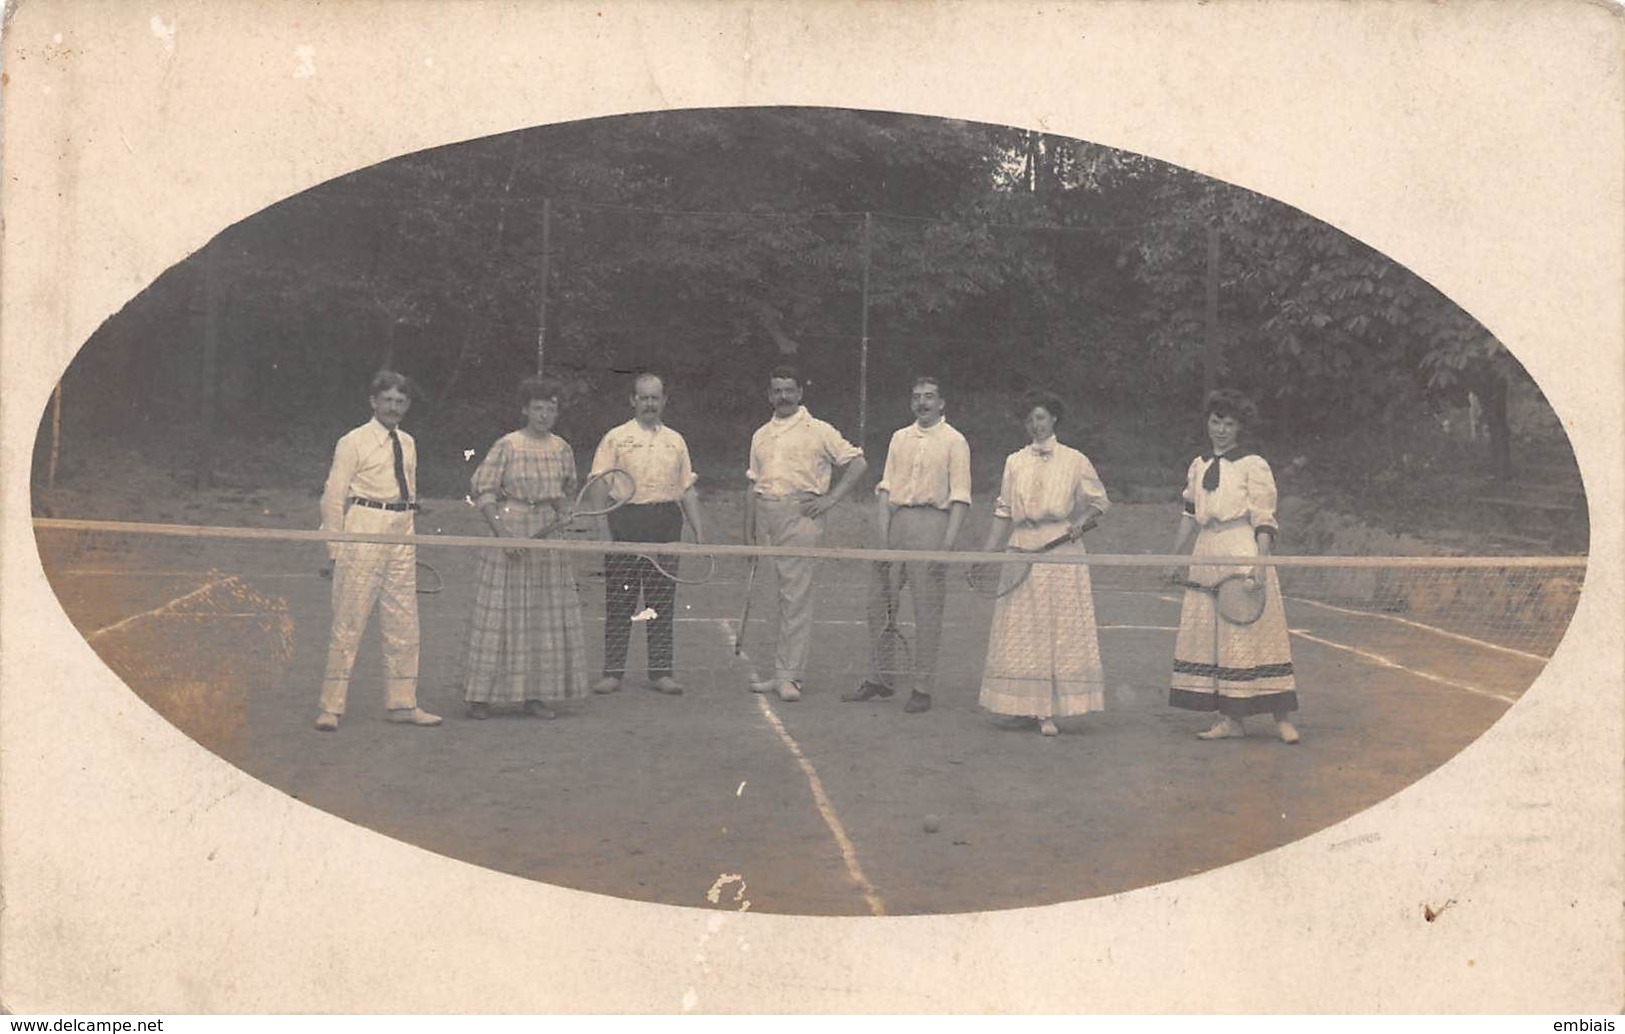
(1234, 670)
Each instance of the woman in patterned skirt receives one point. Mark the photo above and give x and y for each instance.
(1235, 670)
(525, 643)
(1043, 657)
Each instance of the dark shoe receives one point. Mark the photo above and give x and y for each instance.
(870, 690)
(479, 711)
(917, 702)
(537, 709)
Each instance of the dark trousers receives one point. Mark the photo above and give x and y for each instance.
(628, 577)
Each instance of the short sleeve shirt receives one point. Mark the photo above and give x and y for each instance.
(795, 455)
(658, 461)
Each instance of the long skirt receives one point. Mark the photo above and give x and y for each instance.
(1043, 656)
(525, 639)
(1237, 670)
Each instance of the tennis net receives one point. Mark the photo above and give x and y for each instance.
(207, 624)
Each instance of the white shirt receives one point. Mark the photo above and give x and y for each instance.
(795, 455)
(364, 466)
(927, 466)
(657, 459)
(1048, 483)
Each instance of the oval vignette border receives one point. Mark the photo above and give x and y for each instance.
(1546, 332)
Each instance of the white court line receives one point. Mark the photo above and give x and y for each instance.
(1426, 628)
(849, 854)
(1410, 624)
(154, 612)
(1385, 662)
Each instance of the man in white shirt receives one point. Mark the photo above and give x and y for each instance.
(920, 503)
(791, 459)
(371, 488)
(657, 458)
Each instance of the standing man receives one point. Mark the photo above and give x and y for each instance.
(371, 489)
(791, 458)
(921, 501)
(658, 460)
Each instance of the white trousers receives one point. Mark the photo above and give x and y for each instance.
(365, 576)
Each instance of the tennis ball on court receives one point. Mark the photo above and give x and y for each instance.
(932, 823)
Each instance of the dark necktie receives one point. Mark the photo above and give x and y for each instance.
(400, 466)
(1210, 477)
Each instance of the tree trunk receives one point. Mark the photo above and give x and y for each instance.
(1499, 427)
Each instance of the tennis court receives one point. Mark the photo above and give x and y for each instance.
(721, 798)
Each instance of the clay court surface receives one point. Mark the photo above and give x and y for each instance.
(725, 799)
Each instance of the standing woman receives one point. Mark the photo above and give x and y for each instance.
(525, 643)
(1235, 670)
(1043, 657)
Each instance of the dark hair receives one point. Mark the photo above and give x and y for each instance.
(1228, 402)
(532, 389)
(928, 378)
(785, 373)
(384, 380)
(1031, 400)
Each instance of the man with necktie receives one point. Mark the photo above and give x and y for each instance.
(370, 489)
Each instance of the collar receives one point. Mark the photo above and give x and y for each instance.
(783, 423)
(1234, 453)
(634, 425)
(382, 430)
(922, 432)
(1043, 448)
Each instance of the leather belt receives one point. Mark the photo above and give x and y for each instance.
(373, 504)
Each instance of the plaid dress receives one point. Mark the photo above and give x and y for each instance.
(525, 639)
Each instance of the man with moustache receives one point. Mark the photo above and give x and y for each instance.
(371, 488)
(920, 503)
(791, 460)
(657, 458)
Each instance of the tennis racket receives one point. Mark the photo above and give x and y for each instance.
(701, 569)
(429, 580)
(992, 580)
(893, 657)
(744, 613)
(1239, 600)
(605, 491)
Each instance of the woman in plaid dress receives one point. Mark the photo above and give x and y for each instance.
(525, 643)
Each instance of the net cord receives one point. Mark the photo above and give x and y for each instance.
(207, 532)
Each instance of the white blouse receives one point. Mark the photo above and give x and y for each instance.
(1246, 490)
(1048, 483)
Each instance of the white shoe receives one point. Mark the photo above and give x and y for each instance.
(764, 686)
(1289, 732)
(789, 690)
(1225, 728)
(1047, 727)
(413, 716)
(606, 685)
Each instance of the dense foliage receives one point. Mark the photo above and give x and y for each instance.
(713, 244)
